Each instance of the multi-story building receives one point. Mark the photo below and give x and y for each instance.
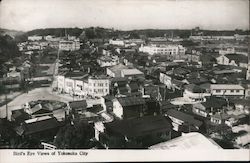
(233, 60)
(248, 72)
(117, 42)
(98, 86)
(107, 61)
(80, 86)
(163, 49)
(35, 38)
(34, 47)
(235, 90)
(69, 45)
(195, 93)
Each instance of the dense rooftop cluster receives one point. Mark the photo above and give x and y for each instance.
(130, 92)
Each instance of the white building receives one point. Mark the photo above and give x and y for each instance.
(227, 90)
(195, 94)
(48, 37)
(233, 60)
(107, 61)
(229, 50)
(93, 86)
(98, 86)
(163, 49)
(34, 47)
(72, 86)
(69, 45)
(35, 38)
(117, 42)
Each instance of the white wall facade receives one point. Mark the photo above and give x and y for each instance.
(117, 109)
(98, 87)
(164, 50)
(222, 90)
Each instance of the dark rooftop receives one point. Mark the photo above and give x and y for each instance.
(184, 117)
(131, 101)
(214, 102)
(238, 58)
(140, 126)
(35, 127)
(194, 88)
(78, 104)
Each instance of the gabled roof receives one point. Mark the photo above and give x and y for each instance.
(118, 67)
(226, 86)
(221, 116)
(19, 115)
(78, 104)
(238, 58)
(39, 126)
(133, 86)
(214, 102)
(131, 101)
(95, 109)
(184, 117)
(133, 71)
(140, 126)
(180, 71)
(194, 88)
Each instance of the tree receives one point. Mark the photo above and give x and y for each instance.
(74, 136)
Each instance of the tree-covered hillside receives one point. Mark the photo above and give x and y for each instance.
(8, 49)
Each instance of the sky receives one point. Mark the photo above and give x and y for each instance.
(125, 14)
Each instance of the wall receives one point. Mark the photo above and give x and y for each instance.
(117, 109)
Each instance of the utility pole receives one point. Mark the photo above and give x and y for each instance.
(6, 102)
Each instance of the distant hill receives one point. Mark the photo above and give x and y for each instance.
(99, 32)
(12, 33)
(56, 32)
(8, 48)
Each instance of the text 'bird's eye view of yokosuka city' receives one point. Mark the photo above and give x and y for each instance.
(116, 74)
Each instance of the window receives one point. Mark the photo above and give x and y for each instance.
(237, 91)
(231, 91)
(69, 84)
(218, 91)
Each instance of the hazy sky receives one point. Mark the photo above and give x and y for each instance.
(125, 14)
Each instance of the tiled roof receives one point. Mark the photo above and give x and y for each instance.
(194, 88)
(118, 67)
(134, 86)
(226, 86)
(238, 58)
(214, 102)
(78, 104)
(184, 117)
(131, 72)
(130, 101)
(39, 126)
(140, 126)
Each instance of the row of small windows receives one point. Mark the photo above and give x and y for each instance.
(232, 91)
(99, 84)
(100, 90)
(165, 50)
